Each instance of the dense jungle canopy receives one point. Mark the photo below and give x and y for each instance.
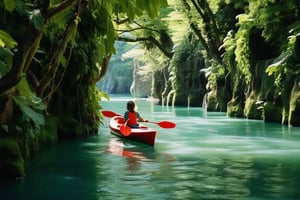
(239, 56)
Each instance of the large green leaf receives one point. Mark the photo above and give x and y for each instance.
(129, 8)
(10, 5)
(6, 57)
(28, 111)
(6, 40)
(104, 95)
(24, 89)
(37, 19)
(29, 103)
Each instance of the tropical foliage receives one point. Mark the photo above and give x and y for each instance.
(238, 56)
(249, 52)
(52, 53)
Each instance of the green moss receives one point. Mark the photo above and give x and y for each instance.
(235, 109)
(294, 117)
(15, 150)
(253, 110)
(49, 131)
(294, 112)
(285, 116)
(212, 102)
(11, 159)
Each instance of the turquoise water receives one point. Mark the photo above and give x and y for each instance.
(207, 156)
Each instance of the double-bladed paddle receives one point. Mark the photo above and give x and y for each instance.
(108, 113)
(162, 124)
(125, 130)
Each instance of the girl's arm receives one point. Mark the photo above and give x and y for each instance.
(140, 119)
(126, 116)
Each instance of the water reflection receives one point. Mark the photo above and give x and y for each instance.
(133, 157)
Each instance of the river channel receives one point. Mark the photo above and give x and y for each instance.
(207, 156)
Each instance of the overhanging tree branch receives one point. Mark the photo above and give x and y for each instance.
(211, 39)
(28, 47)
(56, 57)
(104, 67)
(205, 45)
(148, 39)
(21, 60)
(58, 8)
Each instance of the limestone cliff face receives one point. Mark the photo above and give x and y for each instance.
(136, 80)
(117, 80)
(115, 84)
(141, 81)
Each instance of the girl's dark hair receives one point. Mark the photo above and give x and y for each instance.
(130, 106)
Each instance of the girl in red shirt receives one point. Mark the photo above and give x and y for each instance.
(131, 116)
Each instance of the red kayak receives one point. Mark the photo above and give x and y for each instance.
(143, 134)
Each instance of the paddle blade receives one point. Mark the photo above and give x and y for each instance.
(108, 113)
(125, 130)
(166, 124)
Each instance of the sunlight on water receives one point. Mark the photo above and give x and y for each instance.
(207, 156)
(210, 156)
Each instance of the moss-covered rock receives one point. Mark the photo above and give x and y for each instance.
(160, 86)
(11, 159)
(235, 108)
(294, 112)
(212, 101)
(49, 131)
(21, 146)
(294, 118)
(253, 110)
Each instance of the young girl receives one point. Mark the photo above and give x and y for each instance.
(131, 116)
